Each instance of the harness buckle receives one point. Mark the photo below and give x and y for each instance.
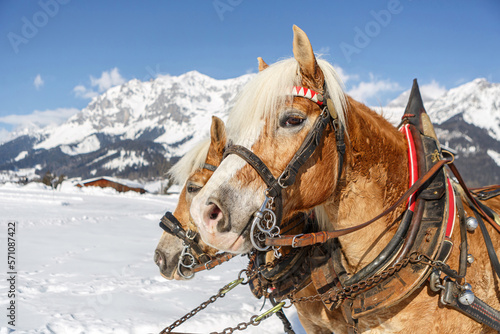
(190, 234)
(208, 265)
(294, 241)
(285, 177)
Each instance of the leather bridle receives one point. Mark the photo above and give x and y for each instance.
(267, 220)
(192, 257)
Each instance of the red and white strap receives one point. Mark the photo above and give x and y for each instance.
(308, 94)
(413, 167)
(412, 161)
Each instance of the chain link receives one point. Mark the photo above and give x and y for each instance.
(250, 274)
(241, 326)
(348, 291)
(222, 292)
(333, 296)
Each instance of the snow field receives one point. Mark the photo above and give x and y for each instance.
(84, 261)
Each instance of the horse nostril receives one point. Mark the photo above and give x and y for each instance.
(160, 260)
(214, 212)
(215, 218)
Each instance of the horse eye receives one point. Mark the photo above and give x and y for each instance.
(192, 189)
(293, 121)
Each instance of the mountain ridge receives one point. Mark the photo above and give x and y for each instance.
(138, 129)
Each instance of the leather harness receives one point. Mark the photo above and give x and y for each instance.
(199, 260)
(425, 227)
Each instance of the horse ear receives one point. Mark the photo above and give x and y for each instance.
(217, 134)
(262, 64)
(303, 53)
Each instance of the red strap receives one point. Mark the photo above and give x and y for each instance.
(471, 198)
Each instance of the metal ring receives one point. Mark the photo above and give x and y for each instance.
(190, 257)
(190, 234)
(179, 270)
(281, 184)
(254, 242)
(269, 229)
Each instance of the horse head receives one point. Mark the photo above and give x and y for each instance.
(272, 122)
(193, 170)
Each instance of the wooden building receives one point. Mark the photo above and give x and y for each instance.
(120, 185)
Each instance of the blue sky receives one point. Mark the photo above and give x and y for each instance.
(56, 54)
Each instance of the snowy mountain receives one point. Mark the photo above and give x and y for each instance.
(133, 130)
(138, 129)
(467, 121)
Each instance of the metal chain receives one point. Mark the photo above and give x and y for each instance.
(222, 292)
(347, 291)
(251, 273)
(254, 320)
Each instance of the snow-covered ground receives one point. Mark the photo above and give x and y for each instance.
(85, 265)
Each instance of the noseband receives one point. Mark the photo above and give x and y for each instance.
(190, 239)
(267, 220)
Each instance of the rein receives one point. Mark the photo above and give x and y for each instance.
(324, 236)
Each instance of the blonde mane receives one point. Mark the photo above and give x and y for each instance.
(267, 93)
(190, 162)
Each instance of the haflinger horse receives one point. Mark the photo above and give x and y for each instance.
(180, 249)
(297, 141)
(180, 260)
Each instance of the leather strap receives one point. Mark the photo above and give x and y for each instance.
(305, 150)
(323, 236)
(477, 310)
(171, 225)
(213, 262)
(209, 167)
(489, 245)
(260, 167)
(462, 266)
(471, 198)
(487, 192)
(481, 312)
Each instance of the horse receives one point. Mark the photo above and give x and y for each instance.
(193, 170)
(356, 169)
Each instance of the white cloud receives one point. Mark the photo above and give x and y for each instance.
(343, 74)
(38, 82)
(432, 90)
(107, 80)
(429, 93)
(39, 119)
(84, 92)
(323, 51)
(374, 88)
(4, 135)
